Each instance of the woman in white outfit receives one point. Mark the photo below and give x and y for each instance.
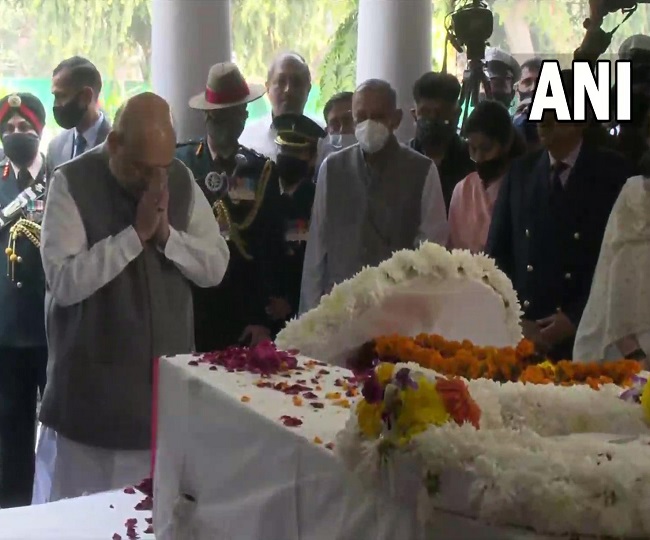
(616, 321)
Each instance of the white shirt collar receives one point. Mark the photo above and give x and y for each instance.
(91, 133)
(33, 169)
(569, 160)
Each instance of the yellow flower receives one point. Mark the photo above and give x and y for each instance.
(645, 401)
(547, 365)
(385, 373)
(369, 418)
(421, 408)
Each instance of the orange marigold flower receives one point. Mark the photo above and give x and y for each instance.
(458, 402)
(245, 399)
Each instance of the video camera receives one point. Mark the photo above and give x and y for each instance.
(471, 26)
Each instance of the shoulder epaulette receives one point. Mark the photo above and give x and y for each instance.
(255, 153)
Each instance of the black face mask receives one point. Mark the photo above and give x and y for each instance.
(525, 95)
(225, 134)
(21, 148)
(292, 169)
(434, 133)
(69, 116)
(491, 170)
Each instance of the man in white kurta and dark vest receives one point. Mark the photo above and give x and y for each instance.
(372, 199)
(126, 229)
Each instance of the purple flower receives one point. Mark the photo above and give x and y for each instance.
(403, 379)
(633, 394)
(372, 390)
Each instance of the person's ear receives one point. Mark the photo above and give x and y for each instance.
(114, 141)
(414, 114)
(397, 118)
(87, 95)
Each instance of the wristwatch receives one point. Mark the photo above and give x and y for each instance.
(636, 354)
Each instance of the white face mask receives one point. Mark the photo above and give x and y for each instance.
(372, 135)
(339, 141)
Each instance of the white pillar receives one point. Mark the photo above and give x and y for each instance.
(394, 44)
(188, 36)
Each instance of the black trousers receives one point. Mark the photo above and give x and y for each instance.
(22, 374)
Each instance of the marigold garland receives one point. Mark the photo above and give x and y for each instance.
(520, 363)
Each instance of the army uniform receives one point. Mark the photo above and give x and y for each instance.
(297, 135)
(253, 229)
(23, 345)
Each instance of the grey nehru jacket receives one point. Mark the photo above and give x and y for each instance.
(368, 223)
(363, 214)
(99, 387)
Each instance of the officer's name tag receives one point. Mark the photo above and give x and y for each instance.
(242, 189)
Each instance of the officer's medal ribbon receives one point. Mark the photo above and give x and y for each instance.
(297, 230)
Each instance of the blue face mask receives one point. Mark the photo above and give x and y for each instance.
(528, 130)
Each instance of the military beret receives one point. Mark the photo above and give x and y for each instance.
(26, 105)
(297, 131)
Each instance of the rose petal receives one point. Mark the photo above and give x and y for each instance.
(117, 537)
(291, 421)
(129, 491)
(317, 405)
(193, 363)
(149, 530)
(310, 395)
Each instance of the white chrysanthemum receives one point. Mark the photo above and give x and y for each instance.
(343, 320)
(530, 464)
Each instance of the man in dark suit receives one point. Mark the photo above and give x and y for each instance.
(76, 85)
(436, 113)
(548, 224)
(23, 347)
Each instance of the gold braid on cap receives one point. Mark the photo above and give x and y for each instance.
(234, 229)
(30, 230)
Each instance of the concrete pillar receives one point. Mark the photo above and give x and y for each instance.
(188, 36)
(394, 44)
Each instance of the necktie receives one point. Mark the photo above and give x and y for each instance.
(556, 182)
(23, 180)
(79, 145)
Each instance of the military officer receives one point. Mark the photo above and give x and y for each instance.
(548, 225)
(23, 348)
(297, 141)
(236, 181)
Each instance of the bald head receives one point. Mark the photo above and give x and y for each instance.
(380, 87)
(376, 100)
(288, 84)
(143, 141)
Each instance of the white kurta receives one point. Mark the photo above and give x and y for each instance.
(619, 301)
(65, 468)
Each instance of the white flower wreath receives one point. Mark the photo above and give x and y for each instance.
(536, 462)
(364, 306)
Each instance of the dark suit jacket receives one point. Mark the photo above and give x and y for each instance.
(548, 245)
(61, 148)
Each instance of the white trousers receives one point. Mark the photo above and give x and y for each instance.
(66, 469)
